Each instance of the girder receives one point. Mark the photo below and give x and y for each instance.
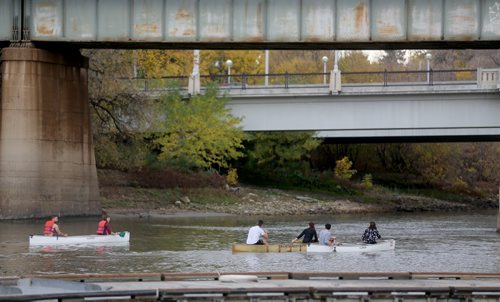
(448, 116)
(253, 24)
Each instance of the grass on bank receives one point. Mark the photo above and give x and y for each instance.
(150, 198)
(161, 190)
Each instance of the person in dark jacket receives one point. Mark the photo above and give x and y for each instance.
(309, 234)
(371, 234)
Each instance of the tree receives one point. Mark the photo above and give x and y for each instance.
(120, 115)
(357, 61)
(280, 149)
(199, 132)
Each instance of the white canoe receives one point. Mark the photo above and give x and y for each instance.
(382, 245)
(122, 237)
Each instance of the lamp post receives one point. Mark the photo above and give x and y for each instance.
(325, 60)
(428, 56)
(229, 63)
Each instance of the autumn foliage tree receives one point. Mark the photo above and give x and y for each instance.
(199, 132)
(119, 112)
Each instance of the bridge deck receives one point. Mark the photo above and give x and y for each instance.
(227, 24)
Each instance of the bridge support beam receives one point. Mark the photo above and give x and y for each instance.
(47, 163)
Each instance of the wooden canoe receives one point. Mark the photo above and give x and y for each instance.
(270, 248)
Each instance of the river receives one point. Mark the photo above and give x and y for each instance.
(450, 242)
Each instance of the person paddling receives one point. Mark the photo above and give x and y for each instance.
(51, 227)
(309, 234)
(371, 234)
(326, 237)
(257, 235)
(104, 226)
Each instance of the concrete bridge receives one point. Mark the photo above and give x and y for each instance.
(399, 108)
(244, 24)
(47, 161)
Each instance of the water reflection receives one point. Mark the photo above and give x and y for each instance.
(458, 242)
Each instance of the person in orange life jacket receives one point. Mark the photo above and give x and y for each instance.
(103, 227)
(51, 228)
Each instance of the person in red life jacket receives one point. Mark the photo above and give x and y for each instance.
(103, 227)
(51, 227)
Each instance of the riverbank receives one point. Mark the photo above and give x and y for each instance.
(120, 197)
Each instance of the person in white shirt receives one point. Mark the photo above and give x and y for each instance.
(325, 236)
(257, 235)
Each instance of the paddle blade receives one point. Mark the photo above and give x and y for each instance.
(122, 234)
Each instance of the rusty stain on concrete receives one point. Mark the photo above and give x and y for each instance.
(189, 32)
(45, 27)
(147, 28)
(360, 16)
(386, 28)
(184, 24)
(183, 15)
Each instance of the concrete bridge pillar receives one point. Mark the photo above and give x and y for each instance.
(47, 163)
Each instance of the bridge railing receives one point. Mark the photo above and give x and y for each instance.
(410, 77)
(383, 78)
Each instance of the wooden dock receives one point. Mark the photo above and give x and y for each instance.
(269, 287)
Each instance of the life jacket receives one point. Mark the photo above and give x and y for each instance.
(100, 227)
(47, 230)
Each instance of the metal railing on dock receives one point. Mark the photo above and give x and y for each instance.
(270, 287)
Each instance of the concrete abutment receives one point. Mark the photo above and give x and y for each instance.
(47, 163)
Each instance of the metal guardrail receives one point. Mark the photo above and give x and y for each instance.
(143, 277)
(383, 78)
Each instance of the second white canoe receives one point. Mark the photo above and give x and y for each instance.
(382, 245)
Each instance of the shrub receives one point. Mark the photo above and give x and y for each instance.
(232, 177)
(367, 181)
(343, 169)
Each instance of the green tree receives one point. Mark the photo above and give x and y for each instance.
(357, 61)
(280, 149)
(199, 132)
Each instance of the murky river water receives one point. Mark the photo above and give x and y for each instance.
(448, 242)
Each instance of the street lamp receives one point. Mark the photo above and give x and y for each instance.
(229, 63)
(428, 56)
(325, 60)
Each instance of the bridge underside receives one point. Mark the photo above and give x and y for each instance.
(253, 24)
(377, 118)
(409, 139)
(61, 45)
